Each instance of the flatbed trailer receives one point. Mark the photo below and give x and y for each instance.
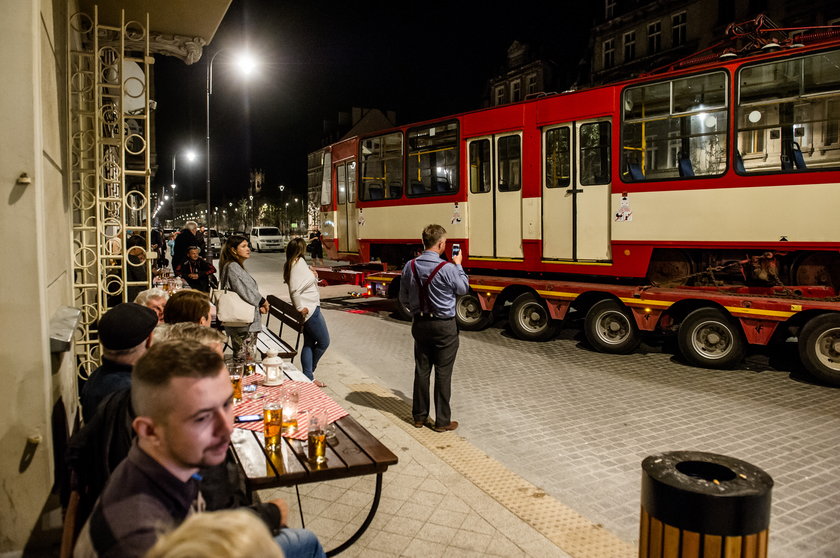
(714, 325)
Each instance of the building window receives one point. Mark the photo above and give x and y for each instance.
(654, 37)
(500, 95)
(678, 29)
(629, 46)
(609, 8)
(515, 90)
(609, 53)
(531, 84)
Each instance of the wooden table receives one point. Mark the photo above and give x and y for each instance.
(353, 452)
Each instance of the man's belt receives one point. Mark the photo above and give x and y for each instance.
(421, 317)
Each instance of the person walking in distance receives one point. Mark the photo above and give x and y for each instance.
(429, 287)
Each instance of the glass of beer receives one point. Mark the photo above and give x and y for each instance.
(236, 380)
(317, 437)
(272, 424)
(290, 399)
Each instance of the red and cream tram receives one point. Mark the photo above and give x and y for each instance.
(657, 177)
(723, 174)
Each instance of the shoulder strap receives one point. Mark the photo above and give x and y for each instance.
(423, 286)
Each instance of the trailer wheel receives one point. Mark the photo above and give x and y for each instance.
(470, 315)
(610, 328)
(403, 312)
(819, 347)
(709, 338)
(529, 318)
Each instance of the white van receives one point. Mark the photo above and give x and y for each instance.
(267, 238)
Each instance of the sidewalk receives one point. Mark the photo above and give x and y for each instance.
(444, 498)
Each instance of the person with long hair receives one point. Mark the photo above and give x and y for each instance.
(234, 277)
(303, 290)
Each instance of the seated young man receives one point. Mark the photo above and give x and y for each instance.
(195, 270)
(183, 399)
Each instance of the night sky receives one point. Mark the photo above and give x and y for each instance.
(421, 59)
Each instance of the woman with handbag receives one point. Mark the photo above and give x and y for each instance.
(303, 290)
(234, 277)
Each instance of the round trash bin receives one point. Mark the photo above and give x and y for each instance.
(703, 505)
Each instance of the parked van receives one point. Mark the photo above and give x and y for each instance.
(266, 238)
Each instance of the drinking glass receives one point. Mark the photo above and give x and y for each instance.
(317, 435)
(236, 380)
(290, 399)
(272, 424)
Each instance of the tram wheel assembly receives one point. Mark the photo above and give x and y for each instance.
(470, 315)
(611, 328)
(818, 268)
(710, 339)
(819, 347)
(402, 311)
(529, 318)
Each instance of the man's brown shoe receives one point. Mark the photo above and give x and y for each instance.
(419, 423)
(448, 428)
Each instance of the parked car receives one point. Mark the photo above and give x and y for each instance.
(266, 238)
(215, 240)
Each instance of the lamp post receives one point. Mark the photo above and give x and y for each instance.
(247, 65)
(190, 155)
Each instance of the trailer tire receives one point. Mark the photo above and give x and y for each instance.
(819, 348)
(710, 339)
(470, 315)
(403, 312)
(610, 328)
(529, 318)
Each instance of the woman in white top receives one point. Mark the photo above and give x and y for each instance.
(303, 290)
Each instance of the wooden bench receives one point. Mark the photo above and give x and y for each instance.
(281, 315)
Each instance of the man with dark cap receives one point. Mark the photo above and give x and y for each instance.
(125, 332)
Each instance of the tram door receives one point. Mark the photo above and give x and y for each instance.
(576, 191)
(347, 225)
(495, 197)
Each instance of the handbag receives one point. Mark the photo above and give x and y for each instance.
(231, 309)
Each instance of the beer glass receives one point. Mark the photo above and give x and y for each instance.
(272, 424)
(236, 380)
(317, 437)
(290, 399)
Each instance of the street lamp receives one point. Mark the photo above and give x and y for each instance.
(247, 64)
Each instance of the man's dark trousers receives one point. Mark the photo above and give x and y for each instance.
(435, 344)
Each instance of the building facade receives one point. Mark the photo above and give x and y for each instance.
(75, 165)
(523, 74)
(631, 37)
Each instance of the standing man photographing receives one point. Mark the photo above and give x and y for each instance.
(429, 287)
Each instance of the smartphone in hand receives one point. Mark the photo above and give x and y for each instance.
(456, 249)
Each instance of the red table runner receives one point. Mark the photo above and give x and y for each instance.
(311, 396)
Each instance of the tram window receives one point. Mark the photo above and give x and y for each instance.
(326, 180)
(789, 114)
(382, 167)
(433, 159)
(557, 158)
(341, 179)
(315, 176)
(480, 166)
(510, 163)
(595, 153)
(675, 128)
(351, 182)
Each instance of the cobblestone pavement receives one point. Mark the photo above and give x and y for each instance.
(577, 423)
